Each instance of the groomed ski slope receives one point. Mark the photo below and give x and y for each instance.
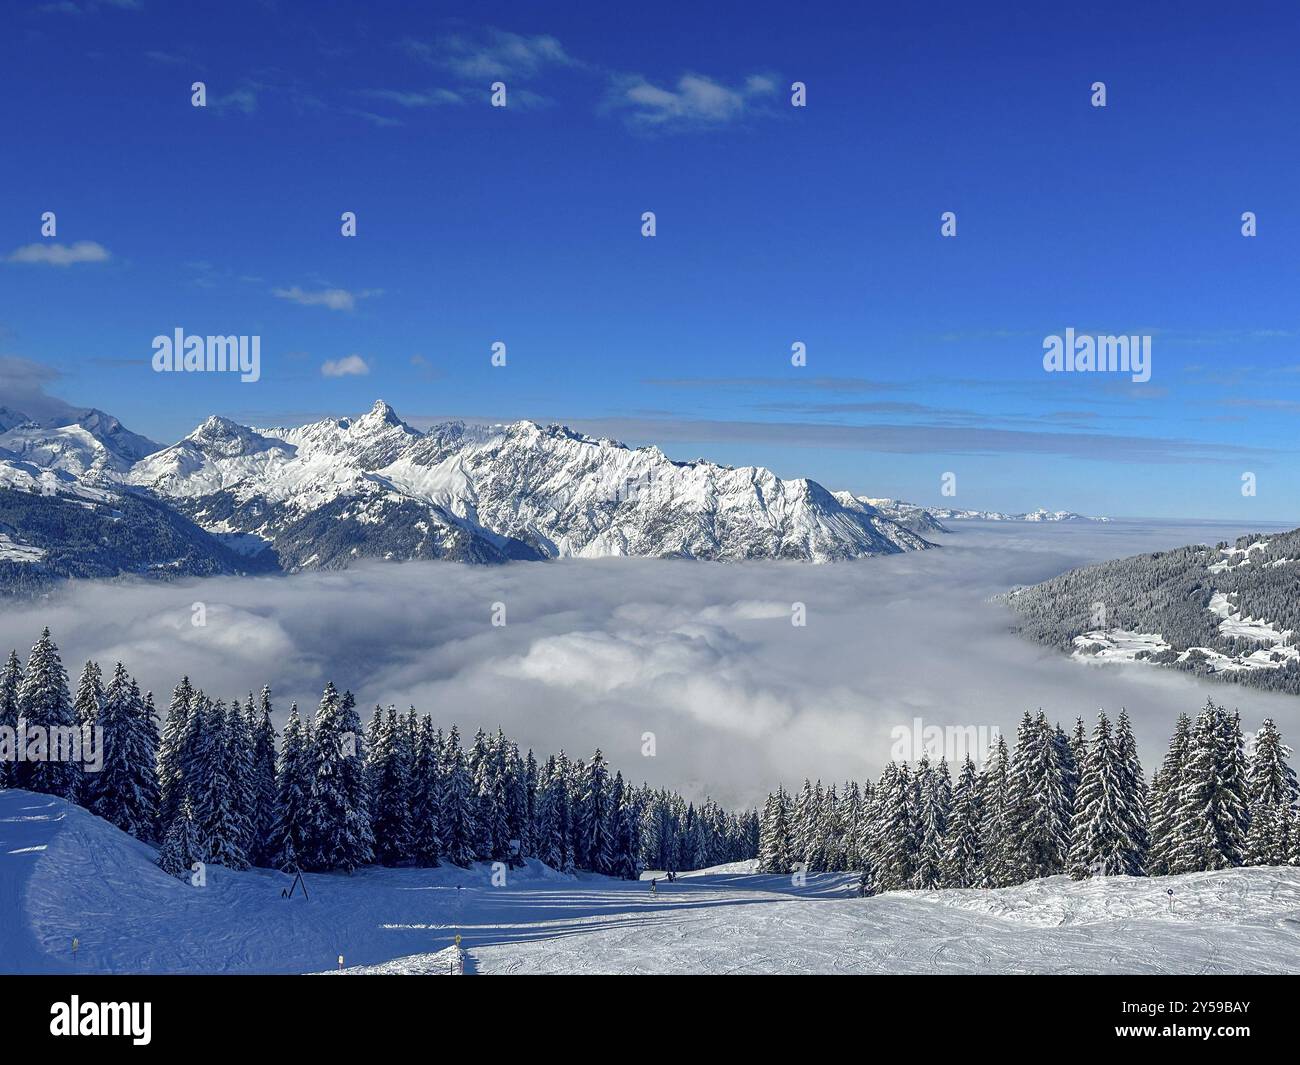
(65, 873)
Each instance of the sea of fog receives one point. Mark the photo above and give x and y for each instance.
(698, 662)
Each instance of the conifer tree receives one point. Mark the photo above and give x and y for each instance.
(1103, 840)
(180, 847)
(458, 828)
(1272, 797)
(171, 780)
(222, 828)
(90, 696)
(1209, 823)
(1163, 801)
(240, 770)
(290, 841)
(11, 679)
(934, 795)
(1040, 808)
(426, 796)
(550, 817)
(896, 834)
(962, 860)
(265, 788)
(774, 835)
(390, 789)
(594, 849)
(1132, 785)
(338, 815)
(996, 829)
(44, 702)
(125, 791)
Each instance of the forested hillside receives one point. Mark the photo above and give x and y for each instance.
(1231, 612)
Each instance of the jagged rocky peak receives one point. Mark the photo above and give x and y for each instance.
(379, 417)
(220, 436)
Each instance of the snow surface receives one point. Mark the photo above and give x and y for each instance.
(65, 873)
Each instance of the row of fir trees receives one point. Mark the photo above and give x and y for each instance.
(1062, 803)
(215, 786)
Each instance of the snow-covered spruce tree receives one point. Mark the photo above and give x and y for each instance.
(774, 835)
(43, 701)
(1272, 795)
(999, 845)
(515, 784)
(171, 781)
(1069, 774)
(90, 696)
(851, 825)
(1209, 830)
(802, 825)
(125, 791)
(1162, 802)
(1040, 808)
(1133, 786)
(222, 828)
(181, 848)
(934, 799)
(485, 770)
(895, 844)
(11, 679)
(1104, 819)
(594, 848)
(264, 783)
(962, 859)
(338, 813)
(549, 827)
(459, 831)
(290, 840)
(625, 821)
(426, 796)
(390, 788)
(239, 767)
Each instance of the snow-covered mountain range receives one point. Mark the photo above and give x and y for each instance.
(321, 495)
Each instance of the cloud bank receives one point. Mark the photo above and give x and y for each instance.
(595, 653)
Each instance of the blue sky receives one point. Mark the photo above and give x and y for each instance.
(775, 224)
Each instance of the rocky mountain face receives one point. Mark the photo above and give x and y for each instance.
(324, 494)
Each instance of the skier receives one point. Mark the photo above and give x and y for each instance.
(654, 890)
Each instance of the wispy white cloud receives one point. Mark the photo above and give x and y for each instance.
(51, 254)
(492, 53)
(336, 299)
(348, 366)
(412, 100)
(695, 101)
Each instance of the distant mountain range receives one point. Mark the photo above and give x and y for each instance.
(92, 498)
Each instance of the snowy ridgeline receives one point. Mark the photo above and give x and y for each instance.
(67, 874)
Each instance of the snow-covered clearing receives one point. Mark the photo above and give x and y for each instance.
(64, 873)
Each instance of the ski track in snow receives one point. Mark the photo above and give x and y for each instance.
(66, 873)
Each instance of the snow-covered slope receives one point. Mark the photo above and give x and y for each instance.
(489, 493)
(95, 446)
(65, 873)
